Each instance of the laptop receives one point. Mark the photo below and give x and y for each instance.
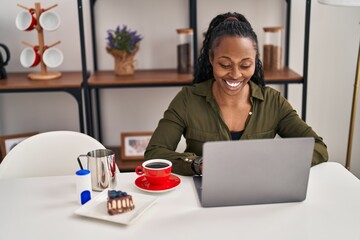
(258, 171)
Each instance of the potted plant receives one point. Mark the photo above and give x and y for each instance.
(123, 44)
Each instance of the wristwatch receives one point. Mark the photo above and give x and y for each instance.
(196, 165)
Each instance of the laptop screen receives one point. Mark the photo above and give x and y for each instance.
(255, 171)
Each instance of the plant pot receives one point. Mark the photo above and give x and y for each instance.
(124, 61)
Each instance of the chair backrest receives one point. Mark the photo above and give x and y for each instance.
(47, 154)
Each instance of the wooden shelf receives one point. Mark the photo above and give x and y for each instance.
(124, 165)
(156, 77)
(20, 81)
(283, 76)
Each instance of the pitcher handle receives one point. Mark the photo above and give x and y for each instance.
(78, 159)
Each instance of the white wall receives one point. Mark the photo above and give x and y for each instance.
(334, 45)
(338, 63)
(334, 42)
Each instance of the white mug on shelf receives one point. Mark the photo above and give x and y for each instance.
(53, 57)
(49, 21)
(30, 57)
(25, 20)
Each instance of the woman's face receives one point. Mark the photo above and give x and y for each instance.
(233, 60)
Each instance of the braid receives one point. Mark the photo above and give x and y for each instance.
(226, 25)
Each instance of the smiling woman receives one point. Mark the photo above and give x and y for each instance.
(233, 62)
(227, 101)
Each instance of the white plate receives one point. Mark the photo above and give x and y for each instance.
(97, 208)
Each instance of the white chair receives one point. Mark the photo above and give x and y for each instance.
(47, 154)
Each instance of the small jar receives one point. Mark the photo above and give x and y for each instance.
(83, 186)
(185, 50)
(273, 49)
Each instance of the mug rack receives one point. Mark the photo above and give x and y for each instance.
(44, 74)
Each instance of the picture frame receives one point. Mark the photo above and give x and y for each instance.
(8, 142)
(133, 145)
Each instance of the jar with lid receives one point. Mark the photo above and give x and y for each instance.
(273, 49)
(185, 55)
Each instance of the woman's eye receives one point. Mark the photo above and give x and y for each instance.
(226, 66)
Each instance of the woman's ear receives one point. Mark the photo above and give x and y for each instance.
(211, 57)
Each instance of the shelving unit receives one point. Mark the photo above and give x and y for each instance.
(107, 79)
(142, 78)
(70, 82)
(156, 78)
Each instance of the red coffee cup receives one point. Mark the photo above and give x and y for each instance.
(25, 20)
(156, 171)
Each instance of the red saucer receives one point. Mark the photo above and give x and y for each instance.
(143, 184)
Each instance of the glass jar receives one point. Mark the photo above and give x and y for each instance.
(273, 49)
(185, 50)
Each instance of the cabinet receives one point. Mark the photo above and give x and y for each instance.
(150, 78)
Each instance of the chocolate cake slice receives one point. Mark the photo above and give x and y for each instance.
(119, 202)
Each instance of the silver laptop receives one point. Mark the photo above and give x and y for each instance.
(257, 171)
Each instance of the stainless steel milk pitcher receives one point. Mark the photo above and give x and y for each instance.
(102, 166)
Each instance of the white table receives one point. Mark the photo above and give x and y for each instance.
(43, 208)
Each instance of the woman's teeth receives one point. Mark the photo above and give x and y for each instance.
(233, 84)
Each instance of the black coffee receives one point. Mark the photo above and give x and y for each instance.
(157, 165)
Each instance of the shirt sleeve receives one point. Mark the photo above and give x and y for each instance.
(291, 125)
(167, 135)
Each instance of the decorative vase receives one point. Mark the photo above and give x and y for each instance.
(124, 61)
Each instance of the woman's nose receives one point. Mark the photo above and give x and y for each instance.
(235, 73)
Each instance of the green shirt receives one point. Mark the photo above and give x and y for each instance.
(195, 114)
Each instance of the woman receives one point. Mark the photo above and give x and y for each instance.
(228, 101)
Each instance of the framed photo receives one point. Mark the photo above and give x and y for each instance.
(133, 145)
(8, 142)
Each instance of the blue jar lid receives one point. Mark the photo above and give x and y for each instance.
(82, 172)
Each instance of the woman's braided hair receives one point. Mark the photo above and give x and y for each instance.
(228, 24)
